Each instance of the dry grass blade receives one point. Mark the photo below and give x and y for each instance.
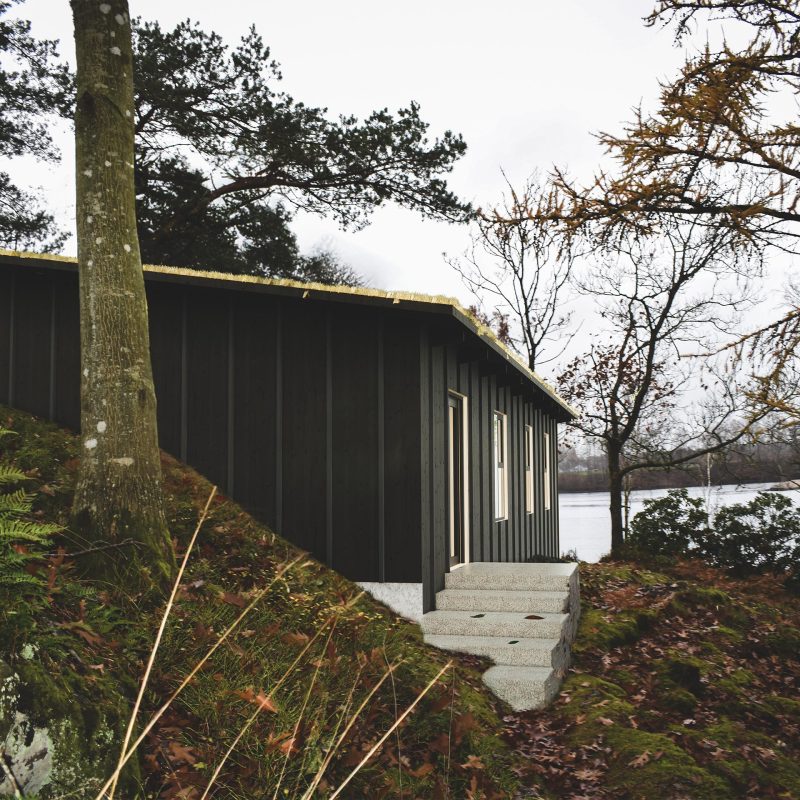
(329, 757)
(450, 739)
(300, 715)
(12, 779)
(223, 637)
(399, 752)
(260, 708)
(388, 733)
(157, 642)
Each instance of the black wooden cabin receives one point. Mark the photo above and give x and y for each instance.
(388, 434)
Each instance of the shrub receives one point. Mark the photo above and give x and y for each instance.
(754, 537)
(668, 526)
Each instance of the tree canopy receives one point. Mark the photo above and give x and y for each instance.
(224, 157)
(32, 85)
(722, 145)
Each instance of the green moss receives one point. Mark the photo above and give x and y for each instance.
(785, 706)
(604, 630)
(674, 698)
(730, 633)
(592, 699)
(673, 773)
(737, 680)
(784, 642)
(743, 756)
(39, 445)
(631, 574)
(684, 670)
(623, 677)
(703, 597)
(80, 720)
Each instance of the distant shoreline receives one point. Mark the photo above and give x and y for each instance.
(780, 486)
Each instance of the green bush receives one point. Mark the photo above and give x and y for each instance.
(754, 537)
(745, 538)
(668, 526)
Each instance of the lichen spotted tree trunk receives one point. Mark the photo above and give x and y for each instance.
(118, 498)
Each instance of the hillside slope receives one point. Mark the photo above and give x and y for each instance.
(75, 650)
(684, 684)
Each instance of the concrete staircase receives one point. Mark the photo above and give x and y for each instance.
(522, 616)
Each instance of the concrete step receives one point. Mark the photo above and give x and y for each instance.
(516, 577)
(510, 624)
(502, 600)
(511, 652)
(523, 688)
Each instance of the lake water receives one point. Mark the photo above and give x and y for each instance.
(586, 525)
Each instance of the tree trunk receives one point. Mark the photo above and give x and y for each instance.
(615, 493)
(118, 497)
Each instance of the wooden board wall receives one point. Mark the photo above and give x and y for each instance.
(326, 420)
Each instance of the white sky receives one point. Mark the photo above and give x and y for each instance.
(525, 81)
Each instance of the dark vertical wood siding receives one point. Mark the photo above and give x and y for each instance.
(6, 320)
(67, 372)
(326, 420)
(31, 342)
(426, 469)
(207, 384)
(438, 434)
(164, 306)
(254, 405)
(402, 455)
(305, 428)
(355, 427)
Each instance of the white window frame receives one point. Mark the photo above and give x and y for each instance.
(547, 498)
(528, 448)
(500, 459)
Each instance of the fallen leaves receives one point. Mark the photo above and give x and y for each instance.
(260, 699)
(575, 753)
(83, 630)
(233, 599)
(640, 760)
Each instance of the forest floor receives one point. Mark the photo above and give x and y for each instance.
(684, 683)
(80, 649)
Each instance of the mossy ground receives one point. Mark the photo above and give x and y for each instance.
(684, 684)
(84, 645)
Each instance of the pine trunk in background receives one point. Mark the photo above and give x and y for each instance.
(118, 497)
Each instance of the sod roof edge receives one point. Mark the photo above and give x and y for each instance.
(283, 286)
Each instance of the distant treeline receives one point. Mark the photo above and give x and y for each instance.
(762, 463)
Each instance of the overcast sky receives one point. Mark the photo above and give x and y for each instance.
(526, 83)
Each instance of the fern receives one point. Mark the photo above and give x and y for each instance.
(18, 502)
(10, 475)
(21, 540)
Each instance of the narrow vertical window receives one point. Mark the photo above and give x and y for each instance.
(500, 445)
(528, 469)
(546, 472)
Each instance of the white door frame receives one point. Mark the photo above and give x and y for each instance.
(464, 404)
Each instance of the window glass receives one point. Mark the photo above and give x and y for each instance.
(528, 469)
(500, 444)
(546, 476)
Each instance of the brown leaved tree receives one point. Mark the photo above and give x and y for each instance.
(661, 298)
(722, 148)
(118, 498)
